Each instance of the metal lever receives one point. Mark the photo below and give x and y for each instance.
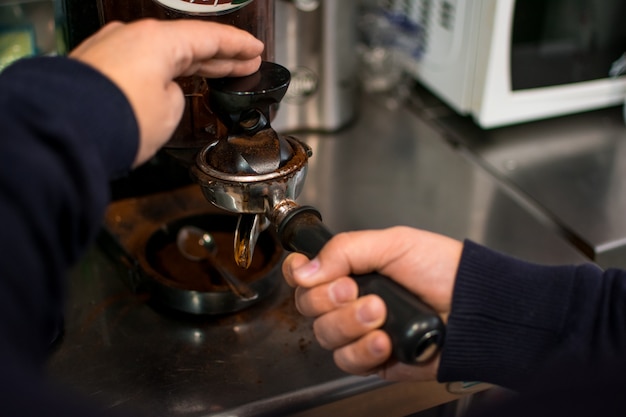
(416, 330)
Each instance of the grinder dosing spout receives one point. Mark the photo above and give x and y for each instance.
(244, 106)
(259, 174)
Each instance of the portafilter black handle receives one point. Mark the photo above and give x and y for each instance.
(415, 329)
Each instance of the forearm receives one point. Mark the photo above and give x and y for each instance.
(510, 319)
(65, 130)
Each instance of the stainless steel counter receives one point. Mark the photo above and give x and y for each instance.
(571, 169)
(391, 167)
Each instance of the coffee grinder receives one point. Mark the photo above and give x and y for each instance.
(245, 168)
(154, 221)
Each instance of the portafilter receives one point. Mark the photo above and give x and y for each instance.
(258, 173)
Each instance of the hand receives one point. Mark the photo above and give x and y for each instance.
(143, 58)
(425, 263)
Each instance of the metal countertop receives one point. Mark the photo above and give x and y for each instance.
(390, 167)
(571, 168)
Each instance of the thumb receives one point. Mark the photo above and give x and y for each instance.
(423, 262)
(346, 253)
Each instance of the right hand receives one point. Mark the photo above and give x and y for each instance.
(144, 57)
(423, 262)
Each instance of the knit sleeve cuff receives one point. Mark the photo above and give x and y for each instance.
(504, 321)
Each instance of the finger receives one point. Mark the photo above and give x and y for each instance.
(226, 67)
(401, 253)
(344, 254)
(313, 302)
(199, 41)
(292, 261)
(346, 324)
(223, 41)
(366, 355)
(362, 251)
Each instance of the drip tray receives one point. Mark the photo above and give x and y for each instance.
(142, 234)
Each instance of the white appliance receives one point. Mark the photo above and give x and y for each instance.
(508, 61)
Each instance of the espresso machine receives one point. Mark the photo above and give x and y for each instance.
(251, 175)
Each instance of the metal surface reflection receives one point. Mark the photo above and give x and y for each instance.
(571, 169)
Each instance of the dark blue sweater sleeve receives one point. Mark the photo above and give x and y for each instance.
(512, 320)
(65, 131)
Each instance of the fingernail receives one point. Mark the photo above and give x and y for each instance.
(378, 345)
(370, 311)
(305, 271)
(341, 291)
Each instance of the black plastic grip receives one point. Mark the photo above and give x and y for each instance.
(415, 329)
